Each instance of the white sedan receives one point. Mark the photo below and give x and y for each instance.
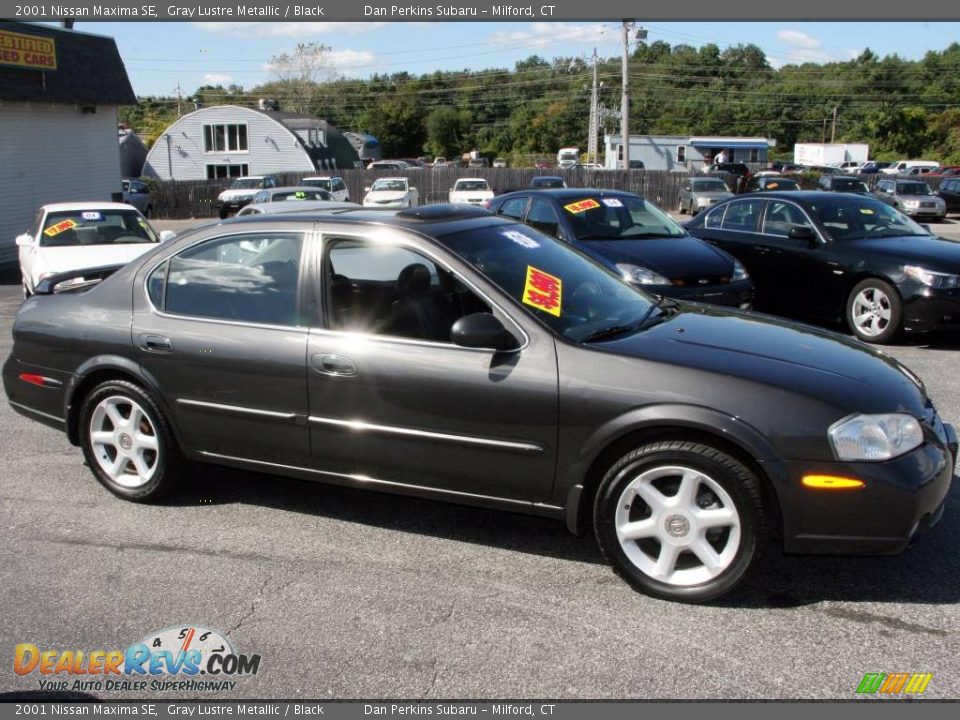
(471, 191)
(76, 236)
(394, 192)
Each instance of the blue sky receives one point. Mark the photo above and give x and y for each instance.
(161, 55)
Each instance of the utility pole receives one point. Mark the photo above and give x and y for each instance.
(594, 116)
(179, 97)
(833, 128)
(625, 97)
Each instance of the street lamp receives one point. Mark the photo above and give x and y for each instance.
(641, 34)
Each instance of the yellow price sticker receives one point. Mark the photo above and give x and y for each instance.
(543, 291)
(53, 230)
(581, 206)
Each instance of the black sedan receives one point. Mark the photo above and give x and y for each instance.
(840, 257)
(446, 353)
(635, 237)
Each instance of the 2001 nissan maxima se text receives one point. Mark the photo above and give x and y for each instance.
(448, 353)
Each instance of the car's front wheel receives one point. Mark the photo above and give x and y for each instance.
(679, 520)
(875, 311)
(127, 442)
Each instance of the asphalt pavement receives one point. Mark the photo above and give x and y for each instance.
(347, 594)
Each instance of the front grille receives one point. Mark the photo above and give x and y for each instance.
(701, 281)
(927, 204)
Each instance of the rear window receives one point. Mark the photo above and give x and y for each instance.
(95, 227)
(322, 184)
(300, 195)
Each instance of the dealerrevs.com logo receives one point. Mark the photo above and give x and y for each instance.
(186, 658)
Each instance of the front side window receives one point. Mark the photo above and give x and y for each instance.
(742, 216)
(245, 278)
(95, 227)
(543, 217)
(781, 217)
(390, 290)
(513, 208)
(225, 138)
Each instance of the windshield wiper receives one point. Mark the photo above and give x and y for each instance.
(662, 306)
(607, 333)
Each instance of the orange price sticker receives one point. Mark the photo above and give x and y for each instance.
(543, 291)
(581, 206)
(60, 227)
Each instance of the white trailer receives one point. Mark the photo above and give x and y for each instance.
(830, 153)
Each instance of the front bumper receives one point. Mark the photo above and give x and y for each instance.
(900, 498)
(736, 294)
(233, 205)
(926, 309)
(925, 212)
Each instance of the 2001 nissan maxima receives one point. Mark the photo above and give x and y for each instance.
(447, 353)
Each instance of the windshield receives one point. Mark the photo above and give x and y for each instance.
(709, 186)
(857, 218)
(626, 217)
(548, 182)
(392, 185)
(915, 188)
(95, 227)
(554, 283)
(246, 184)
(300, 195)
(322, 184)
(779, 184)
(847, 185)
(471, 185)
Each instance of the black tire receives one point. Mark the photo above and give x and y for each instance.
(884, 335)
(168, 464)
(743, 492)
(683, 210)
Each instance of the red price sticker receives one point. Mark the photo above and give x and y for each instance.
(543, 291)
(581, 206)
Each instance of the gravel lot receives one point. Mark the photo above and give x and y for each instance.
(362, 595)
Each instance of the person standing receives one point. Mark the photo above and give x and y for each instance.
(721, 157)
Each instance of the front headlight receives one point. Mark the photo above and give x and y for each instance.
(641, 275)
(931, 278)
(703, 202)
(911, 203)
(875, 437)
(739, 272)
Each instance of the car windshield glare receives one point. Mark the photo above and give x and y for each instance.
(390, 185)
(246, 184)
(709, 186)
(571, 294)
(853, 218)
(95, 227)
(471, 185)
(322, 184)
(917, 188)
(618, 218)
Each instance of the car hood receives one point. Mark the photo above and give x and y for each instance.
(462, 195)
(671, 257)
(237, 194)
(62, 259)
(929, 252)
(387, 195)
(797, 358)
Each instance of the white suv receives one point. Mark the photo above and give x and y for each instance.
(333, 184)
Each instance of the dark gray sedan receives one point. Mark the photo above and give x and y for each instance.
(447, 353)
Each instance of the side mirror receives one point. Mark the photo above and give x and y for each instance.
(483, 330)
(167, 235)
(803, 234)
(25, 240)
(367, 189)
(413, 189)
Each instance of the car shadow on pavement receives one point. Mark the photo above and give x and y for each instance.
(925, 574)
(217, 485)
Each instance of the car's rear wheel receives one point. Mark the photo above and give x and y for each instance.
(875, 311)
(128, 443)
(679, 520)
(224, 213)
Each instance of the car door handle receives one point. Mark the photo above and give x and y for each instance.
(334, 365)
(155, 343)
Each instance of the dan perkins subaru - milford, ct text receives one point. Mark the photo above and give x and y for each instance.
(395, 11)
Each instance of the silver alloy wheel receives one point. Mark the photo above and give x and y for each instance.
(124, 441)
(682, 539)
(871, 311)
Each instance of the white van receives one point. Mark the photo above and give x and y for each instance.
(901, 166)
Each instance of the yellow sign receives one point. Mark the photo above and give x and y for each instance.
(581, 206)
(543, 291)
(27, 51)
(60, 227)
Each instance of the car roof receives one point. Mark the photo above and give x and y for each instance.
(471, 179)
(68, 206)
(288, 188)
(392, 178)
(301, 206)
(319, 177)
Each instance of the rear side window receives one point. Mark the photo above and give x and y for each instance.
(543, 217)
(245, 278)
(742, 215)
(715, 218)
(513, 208)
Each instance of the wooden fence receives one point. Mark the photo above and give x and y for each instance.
(182, 199)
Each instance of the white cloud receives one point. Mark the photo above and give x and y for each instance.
(347, 60)
(286, 29)
(217, 79)
(545, 34)
(798, 39)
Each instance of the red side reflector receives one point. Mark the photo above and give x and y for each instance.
(32, 378)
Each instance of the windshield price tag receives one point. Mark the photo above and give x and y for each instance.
(91, 215)
(581, 206)
(543, 291)
(520, 239)
(612, 202)
(60, 227)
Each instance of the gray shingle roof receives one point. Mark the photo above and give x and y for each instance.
(89, 70)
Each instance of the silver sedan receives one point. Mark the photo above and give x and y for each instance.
(701, 193)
